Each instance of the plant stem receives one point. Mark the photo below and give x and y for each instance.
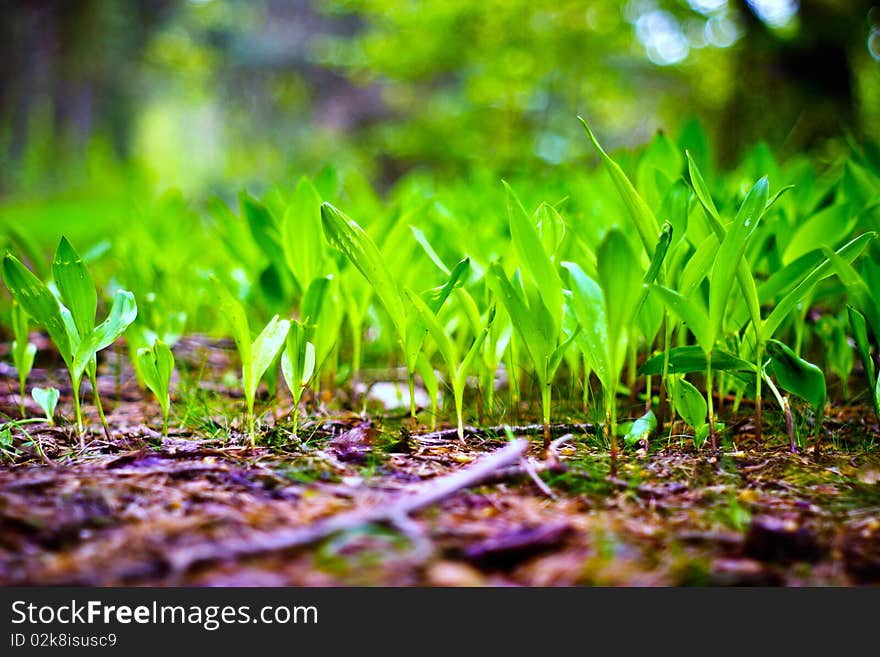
(93, 379)
(546, 393)
(611, 424)
(712, 437)
(631, 371)
(786, 409)
(412, 396)
(759, 411)
(21, 388)
(586, 390)
(251, 422)
(78, 409)
(664, 376)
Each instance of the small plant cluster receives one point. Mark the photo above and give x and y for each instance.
(648, 278)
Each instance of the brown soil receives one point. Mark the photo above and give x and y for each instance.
(129, 510)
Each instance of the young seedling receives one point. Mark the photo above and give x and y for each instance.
(47, 400)
(707, 326)
(349, 238)
(297, 365)
(860, 334)
(256, 356)
(606, 311)
(23, 352)
(535, 304)
(798, 377)
(156, 366)
(70, 320)
(457, 366)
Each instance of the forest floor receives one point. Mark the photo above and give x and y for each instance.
(357, 499)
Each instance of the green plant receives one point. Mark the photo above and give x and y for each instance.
(156, 366)
(47, 400)
(70, 320)
(534, 301)
(23, 352)
(257, 355)
(350, 239)
(706, 325)
(606, 310)
(297, 365)
(457, 366)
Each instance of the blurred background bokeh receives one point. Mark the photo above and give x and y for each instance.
(102, 99)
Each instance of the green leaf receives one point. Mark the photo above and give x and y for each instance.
(556, 357)
(75, 286)
(690, 403)
(537, 344)
(349, 238)
(301, 233)
(731, 251)
(828, 227)
(856, 288)
(313, 303)
(429, 376)
(743, 274)
(535, 261)
(122, 313)
(704, 196)
(691, 313)
(588, 302)
(849, 252)
(298, 360)
(23, 352)
(264, 230)
(642, 216)
(436, 297)
(232, 311)
(46, 399)
(620, 277)
(699, 266)
(264, 349)
(38, 302)
(430, 322)
(641, 430)
(860, 334)
(429, 250)
(660, 252)
(796, 375)
(157, 365)
(691, 358)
